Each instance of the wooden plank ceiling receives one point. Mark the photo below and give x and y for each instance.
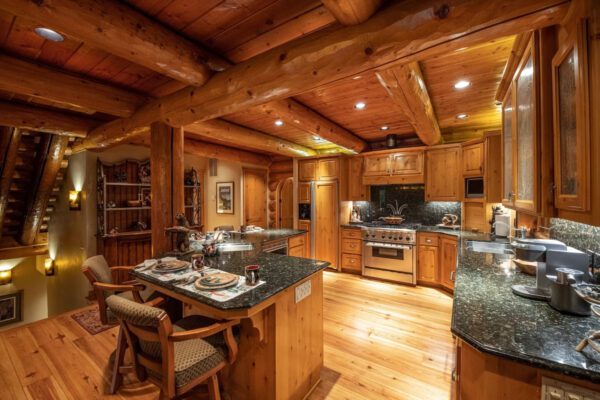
(238, 30)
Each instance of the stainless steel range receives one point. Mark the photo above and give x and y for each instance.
(390, 253)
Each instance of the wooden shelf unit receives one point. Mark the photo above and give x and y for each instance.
(121, 239)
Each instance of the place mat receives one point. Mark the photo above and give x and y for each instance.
(220, 295)
(147, 268)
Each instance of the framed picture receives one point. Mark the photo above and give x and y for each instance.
(10, 308)
(225, 198)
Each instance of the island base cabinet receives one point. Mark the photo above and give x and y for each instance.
(481, 376)
(280, 348)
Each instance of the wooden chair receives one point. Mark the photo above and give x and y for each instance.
(175, 360)
(105, 282)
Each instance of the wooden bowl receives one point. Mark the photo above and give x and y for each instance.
(527, 267)
(134, 203)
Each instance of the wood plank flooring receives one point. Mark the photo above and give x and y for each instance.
(382, 341)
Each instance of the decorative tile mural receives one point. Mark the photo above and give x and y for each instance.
(418, 210)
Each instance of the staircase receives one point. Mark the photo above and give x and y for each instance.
(21, 181)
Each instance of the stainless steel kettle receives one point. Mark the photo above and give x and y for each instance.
(563, 297)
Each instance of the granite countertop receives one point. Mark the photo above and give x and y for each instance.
(278, 271)
(488, 316)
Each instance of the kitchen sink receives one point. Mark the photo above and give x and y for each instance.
(489, 247)
(231, 247)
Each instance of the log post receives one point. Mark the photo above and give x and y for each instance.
(166, 170)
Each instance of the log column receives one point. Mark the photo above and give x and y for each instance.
(167, 165)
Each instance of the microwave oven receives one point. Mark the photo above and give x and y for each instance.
(473, 188)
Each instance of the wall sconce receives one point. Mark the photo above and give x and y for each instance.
(74, 200)
(49, 266)
(5, 277)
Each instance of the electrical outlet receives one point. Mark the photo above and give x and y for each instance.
(303, 291)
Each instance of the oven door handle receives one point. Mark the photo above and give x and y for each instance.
(388, 246)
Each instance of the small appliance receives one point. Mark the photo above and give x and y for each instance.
(563, 296)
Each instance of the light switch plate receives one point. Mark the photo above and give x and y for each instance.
(303, 291)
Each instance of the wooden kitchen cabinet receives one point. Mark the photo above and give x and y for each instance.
(351, 250)
(305, 226)
(307, 170)
(428, 259)
(508, 191)
(389, 167)
(571, 122)
(473, 159)
(356, 190)
(297, 246)
(448, 257)
(328, 169)
(326, 222)
(443, 174)
(304, 192)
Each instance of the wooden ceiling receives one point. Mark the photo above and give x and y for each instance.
(239, 30)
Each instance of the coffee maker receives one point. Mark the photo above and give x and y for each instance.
(549, 255)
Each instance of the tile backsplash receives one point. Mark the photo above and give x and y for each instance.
(418, 210)
(574, 234)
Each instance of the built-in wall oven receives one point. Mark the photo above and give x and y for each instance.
(390, 254)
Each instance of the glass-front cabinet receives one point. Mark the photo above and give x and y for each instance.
(520, 135)
(571, 123)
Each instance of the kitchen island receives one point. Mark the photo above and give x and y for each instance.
(506, 338)
(281, 332)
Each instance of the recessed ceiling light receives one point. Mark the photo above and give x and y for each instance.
(462, 116)
(384, 128)
(462, 84)
(360, 105)
(357, 77)
(49, 34)
(318, 139)
(278, 122)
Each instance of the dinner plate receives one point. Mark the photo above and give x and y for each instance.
(221, 280)
(170, 266)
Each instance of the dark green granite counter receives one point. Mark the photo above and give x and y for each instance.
(278, 271)
(488, 316)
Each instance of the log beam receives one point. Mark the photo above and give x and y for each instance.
(519, 46)
(406, 87)
(12, 138)
(211, 150)
(30, 79)
(352, 12)
(232, 134)
(35, 214)
(43, 120)
(9, 252)
(304, 118)
(166, 164)
(404, 32)
(118, 29)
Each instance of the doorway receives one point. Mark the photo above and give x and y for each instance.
(285, 206)
(255, 197)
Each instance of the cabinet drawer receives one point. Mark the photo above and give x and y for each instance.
(428, 239)
(353, 246)
(351, 233)
(296, 241)
(352, 262)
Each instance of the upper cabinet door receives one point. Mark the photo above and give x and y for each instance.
(472, 159)
(407, 163)
(525, 96)
(307, 170)
(508, 193)
(378, 165)
(571, 123)
(328, 169)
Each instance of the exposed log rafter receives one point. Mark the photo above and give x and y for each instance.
(9, 155)
(43, 120)
(119, 29)
(31, 79)
(352, 12)
(54, 157)
(233, 133)
(401, 33)
(406, 87)
(304, 118)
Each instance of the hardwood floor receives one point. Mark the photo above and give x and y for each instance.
(382, 341)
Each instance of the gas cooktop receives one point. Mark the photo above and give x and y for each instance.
(382, 225)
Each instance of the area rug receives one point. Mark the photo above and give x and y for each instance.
(90, 321)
